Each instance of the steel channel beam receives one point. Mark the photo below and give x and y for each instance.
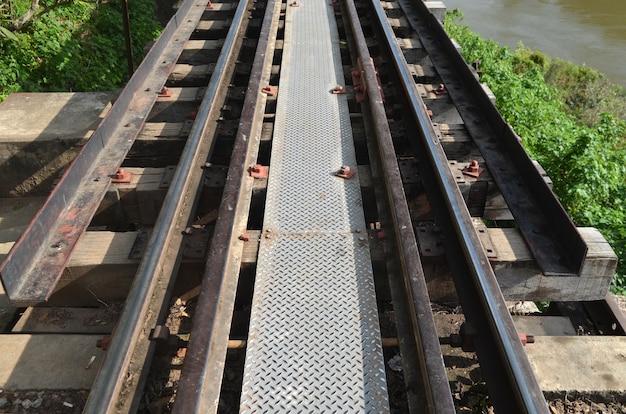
(33, 267)
(201, 377)
(551, 236)
(437, 388)
(511, 380)
(156, 266)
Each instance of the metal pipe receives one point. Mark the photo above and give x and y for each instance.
(114, 368)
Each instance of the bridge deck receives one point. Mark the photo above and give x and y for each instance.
(314, 341)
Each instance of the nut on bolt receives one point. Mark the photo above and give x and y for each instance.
(473, 169)
(257, 171)
(345, 172)
(269, 90)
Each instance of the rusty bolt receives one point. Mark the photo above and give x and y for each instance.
(344, 172)
(121, 176)
(473, 169)
(269, 90)
(257, 171)
(441, 90)
(104, 342)
(526, 339)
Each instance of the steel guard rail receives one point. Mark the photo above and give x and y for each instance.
(35, 264)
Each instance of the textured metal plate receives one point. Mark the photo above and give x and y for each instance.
(314, 340)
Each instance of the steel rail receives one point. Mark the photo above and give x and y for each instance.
(551, 236)
(35, 264)
(201, 377)
(438, 396)
(513, 386)
(156, 266)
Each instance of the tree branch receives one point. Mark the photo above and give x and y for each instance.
(35, 11)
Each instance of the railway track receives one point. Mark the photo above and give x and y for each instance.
(299, 130)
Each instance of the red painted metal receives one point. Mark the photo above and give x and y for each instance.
(122, 176)
(269, 90)
(473, 169)
(257, 171)
(345, 172)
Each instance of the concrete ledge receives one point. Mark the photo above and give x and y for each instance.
(586, 364)
(39, 362)
(41, 133)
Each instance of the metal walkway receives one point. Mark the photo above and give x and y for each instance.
(314, 341)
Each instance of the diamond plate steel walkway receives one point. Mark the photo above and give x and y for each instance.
(314, 340)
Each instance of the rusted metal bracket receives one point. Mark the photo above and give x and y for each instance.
(257, 171)
(345, 172)
(196, 242)
(360, 87)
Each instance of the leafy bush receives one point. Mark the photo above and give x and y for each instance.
(76, 47)
(570, 120)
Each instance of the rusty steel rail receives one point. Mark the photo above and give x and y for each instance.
(199, 386)
(34, 266)
(510, 378)
(161, 258)
(437, 394)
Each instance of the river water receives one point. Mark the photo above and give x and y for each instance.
(590, 32)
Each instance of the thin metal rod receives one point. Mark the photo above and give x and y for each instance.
(128, 38)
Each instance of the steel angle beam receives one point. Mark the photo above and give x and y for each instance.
(550, 234)
(34, 266)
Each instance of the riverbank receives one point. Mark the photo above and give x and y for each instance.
(583, 32)
(571, 120)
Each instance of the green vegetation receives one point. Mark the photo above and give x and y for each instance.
(571, 120)
(69, 45)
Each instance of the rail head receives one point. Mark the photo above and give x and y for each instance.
(500, 350)
(105, 395)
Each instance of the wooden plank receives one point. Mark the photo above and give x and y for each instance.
(181, 95)
(136, 202)
(98, 272)
(158, 130)
(220, 6)
(189, 73)
(586, 364)
(213, 25)
(520, 278)
(203, 44)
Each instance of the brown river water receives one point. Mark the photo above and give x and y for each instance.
(590, 32)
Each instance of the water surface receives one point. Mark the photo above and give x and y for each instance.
(581, 31)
